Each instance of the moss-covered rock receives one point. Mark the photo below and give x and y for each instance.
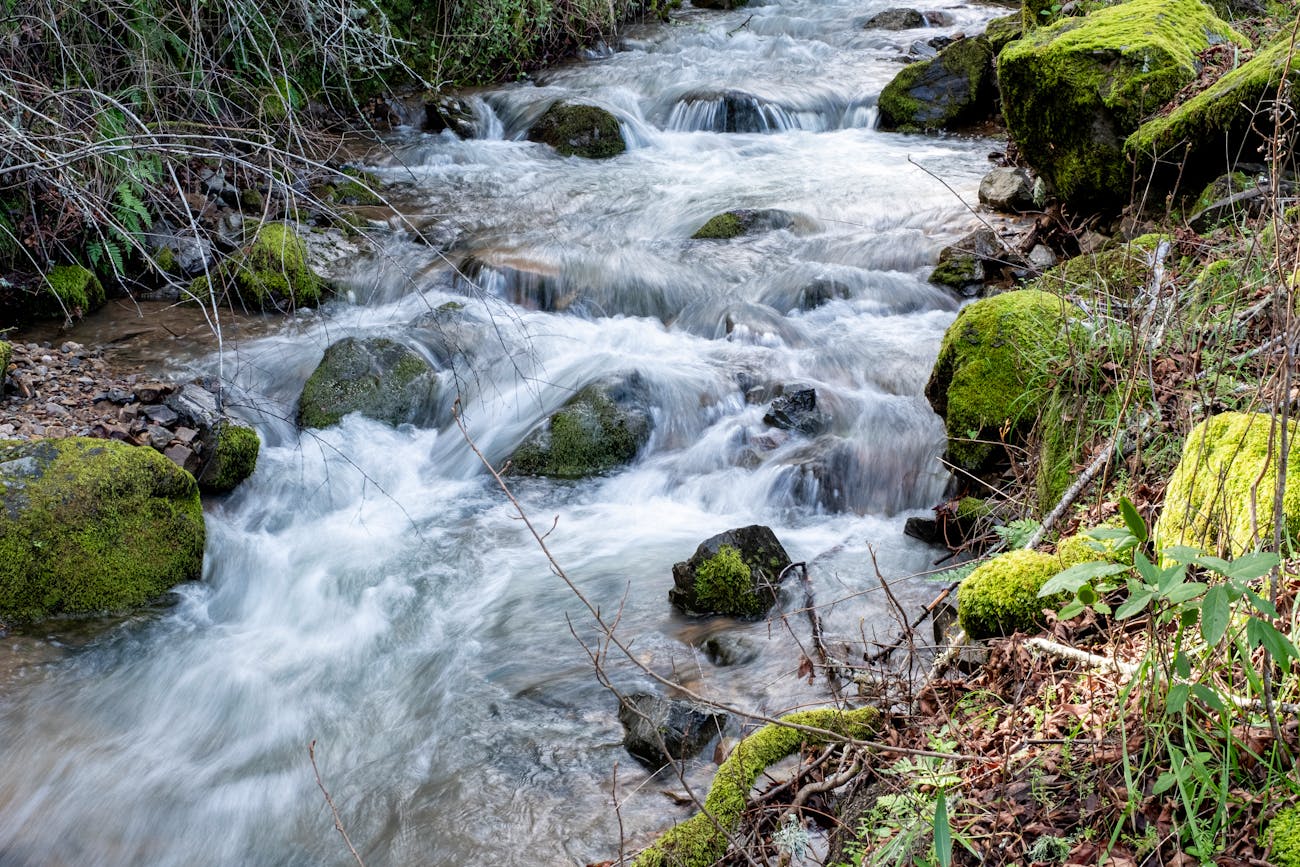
(735, 573)
(962, 266)
(1283, 838)
(1074, 90)
(76, 291)
(702, 839)
(951, 90)
(90, 525)
(1220, 497)
(987, 380)
(733, 224)
(271, 273)
(1001, 596)
(602, 427)
(579, 131)
(1002, 31)
(233, 458)
(379, 378)
(6, 352)
(1228, 107)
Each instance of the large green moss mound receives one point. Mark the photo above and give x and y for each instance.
(1001, 596)
(590, 434)
(944, 92)
(1073, 91)
(271, 273)
(1229, 107)
(702, 839)
(1220, 497)
(76, 291)
(377, 377)
(89, 525)
(988, 376)
(579, 131)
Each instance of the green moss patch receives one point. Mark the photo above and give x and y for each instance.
(579, 131)
(1283, 836)
(232, 460)
(989, 374)
(76, 290)
(720, 228)
(270, 274)
(1220, 497)
(702, 840)
(379, 378)
(1228, 106)
(1001, 596)
(590, 434)
(1074, 90)
(89, 525)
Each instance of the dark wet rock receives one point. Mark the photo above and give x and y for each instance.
(719, 4)
(1229, 197)
(379, 378)
(91, 525)
(952, 90)
(727, 650)
(579, 131)
(734, 573)
(896, 19)
(731, 111)
(181, 254)
(962, 266)
(733, 224)
(450, 113)
(231, 457)
(923, 530)
(658, 730)
(1008, 189)
(797, 411)
(937, 18)
(602, 427)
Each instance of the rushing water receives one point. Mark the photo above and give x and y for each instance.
(371, 590)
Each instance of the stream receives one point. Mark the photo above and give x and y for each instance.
(370, 589)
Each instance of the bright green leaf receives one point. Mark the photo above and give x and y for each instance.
(1133, 520)
(1070, 580)
(1216, 611)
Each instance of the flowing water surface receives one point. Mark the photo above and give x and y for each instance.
(370, 589)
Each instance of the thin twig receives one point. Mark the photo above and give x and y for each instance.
(338, 821)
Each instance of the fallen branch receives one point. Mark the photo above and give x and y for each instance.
(338, 821)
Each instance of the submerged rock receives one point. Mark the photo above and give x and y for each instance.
(90, 525)
(658, 731)
(602, 427)
(377, 377)
(734, 573)
(450, 113)
(797, 411)
(1220, 497)
(574, 130)
(951, 90)
(1074, 90)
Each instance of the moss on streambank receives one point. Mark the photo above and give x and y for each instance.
(703, 839)
(271, 273)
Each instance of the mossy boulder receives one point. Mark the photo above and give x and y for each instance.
(1120, 269)
(1001, 596)
(734, 573)
(232, 459)
(1073, 91)
(271, 273)
(91, 525)
(733, 224)
(949, 91)
(1220, 496)
(1283, 837)
(602, 427)
(377, 377)
(75, 291)
(6, 353)
(703, 839)
(989, 377)
(896, 19)
(1195, 131)
(962, 266)
(1002, 31)
(579, 131)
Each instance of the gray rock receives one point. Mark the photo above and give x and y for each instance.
(602, 427)
(450, 113)
(734, 573)
(658, 731)
(1008, 189)
(727, 650)
(949, 91)
(160, 413)
(962, 265)
(896, 19)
